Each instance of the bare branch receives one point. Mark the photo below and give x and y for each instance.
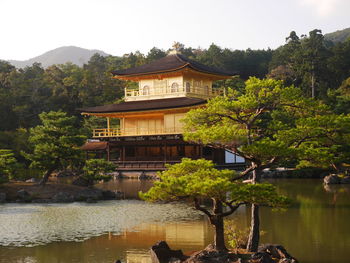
(245, 172)
(233, 208)
(201, 208)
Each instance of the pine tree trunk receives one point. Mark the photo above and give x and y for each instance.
(254, 235)
(218, 223)
(313, 85)
(313, 80)
(219, 240)
(46, 176)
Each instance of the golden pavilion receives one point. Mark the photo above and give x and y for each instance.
(149, 133)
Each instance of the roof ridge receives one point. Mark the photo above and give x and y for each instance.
(181, 59)
(169, 63)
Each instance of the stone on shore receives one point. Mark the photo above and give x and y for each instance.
(332, 179)
(23, 196)
(89, 193)
(345, 180)
(81, 181)
(261, 257)
(32, 180)
(336, 179)
(2, 197)
(62, 197)
(108, 195)
(276, 252)
(211, 255)
(161, 253)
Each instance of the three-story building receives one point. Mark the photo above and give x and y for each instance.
(149, 133)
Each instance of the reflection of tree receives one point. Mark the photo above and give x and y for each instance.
(315, 224)
(336, 190)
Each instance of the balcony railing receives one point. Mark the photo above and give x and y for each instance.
(117, 132)
(170, 90)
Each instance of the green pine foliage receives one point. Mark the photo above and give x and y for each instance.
(98, 169)
(195, 180)
(56, 143)
(8, 165)
(269, 124)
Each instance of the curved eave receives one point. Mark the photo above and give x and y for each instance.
(173, 72)
(139, 107)
(140, 113)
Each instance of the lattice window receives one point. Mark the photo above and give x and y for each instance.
(145, 90)
(174, 87)
(188, 86)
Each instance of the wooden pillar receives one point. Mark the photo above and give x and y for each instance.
(108, 152)
(200, 151)
(123, 153)
(165, 152)
(108, 128)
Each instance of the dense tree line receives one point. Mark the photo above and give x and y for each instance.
(319, 67)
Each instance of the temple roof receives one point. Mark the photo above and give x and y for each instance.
(170, 63)
(144, 105)
(93, 146)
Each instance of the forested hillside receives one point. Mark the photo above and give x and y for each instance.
(338, 36)
(310, 62)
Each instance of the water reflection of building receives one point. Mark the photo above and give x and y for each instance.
(145, 132)
(188, 236)
(130, 187)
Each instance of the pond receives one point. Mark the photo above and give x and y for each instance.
(314, 229)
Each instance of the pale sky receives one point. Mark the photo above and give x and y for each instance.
(32, 27)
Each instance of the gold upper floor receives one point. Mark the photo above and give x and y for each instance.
(143, 125)
(172, 87)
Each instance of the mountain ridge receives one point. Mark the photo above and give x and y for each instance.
(81, 56)
(60, 55)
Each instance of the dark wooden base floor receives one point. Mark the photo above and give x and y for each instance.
(161, 166)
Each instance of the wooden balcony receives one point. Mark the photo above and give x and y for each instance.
(169, 91)
(117, 132)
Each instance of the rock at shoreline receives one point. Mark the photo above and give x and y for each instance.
(23, 196)
(161, 253)
(261, 257)
(32, 180)
(276, 251)
(81, 181)
(332, 179)
(287, 260)
(108, 195)
(42, 201)
(89, 193)
(335, 179)
(119, 195)
(91, 201)
(2, 198)
(345, 180)
(211, 255)
(62, 197)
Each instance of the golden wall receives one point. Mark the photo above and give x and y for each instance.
(168, 123)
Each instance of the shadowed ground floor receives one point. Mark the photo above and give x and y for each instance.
(154, 152)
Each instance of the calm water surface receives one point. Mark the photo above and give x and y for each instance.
(315, 229)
